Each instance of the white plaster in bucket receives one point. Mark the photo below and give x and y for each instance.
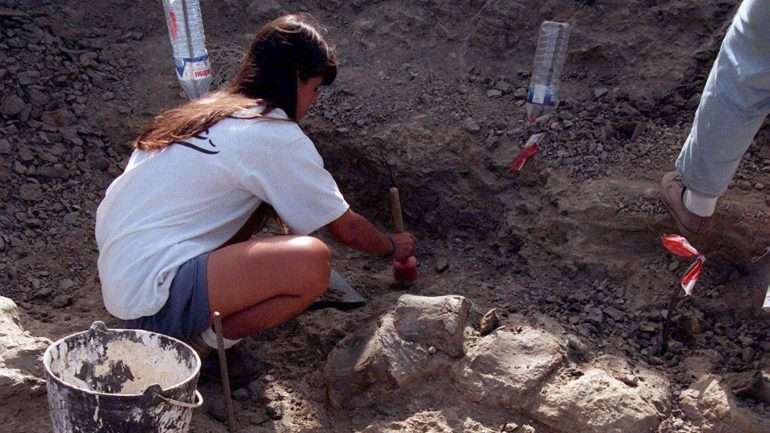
(111, 380)
(147, 360)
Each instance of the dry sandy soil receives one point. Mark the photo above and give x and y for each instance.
(429, 98)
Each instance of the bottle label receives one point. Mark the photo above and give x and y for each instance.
(538, 94)
(195, 68)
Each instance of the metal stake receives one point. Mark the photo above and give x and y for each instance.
(665, 332)
(223, 371)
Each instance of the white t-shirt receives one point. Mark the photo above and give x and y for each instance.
(191, 197)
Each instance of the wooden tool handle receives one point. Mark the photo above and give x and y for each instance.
(395, 209)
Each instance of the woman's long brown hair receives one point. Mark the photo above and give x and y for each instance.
(285, 49)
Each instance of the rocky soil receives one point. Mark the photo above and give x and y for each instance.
(430, 98)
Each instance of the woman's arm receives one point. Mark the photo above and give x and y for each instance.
(358, 233)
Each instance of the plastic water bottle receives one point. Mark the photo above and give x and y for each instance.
(543, 92)
(191, 60)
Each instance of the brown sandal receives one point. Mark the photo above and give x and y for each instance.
(242, 365)
(199, 346)
(691, 226)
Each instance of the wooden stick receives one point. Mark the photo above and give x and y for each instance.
(224, 372)
(395, 209)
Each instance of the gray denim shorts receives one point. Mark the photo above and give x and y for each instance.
(186, 312)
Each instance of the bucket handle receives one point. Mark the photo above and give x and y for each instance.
(156, 391)
(198, 401)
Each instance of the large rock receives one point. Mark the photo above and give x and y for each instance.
(374, 364)
(21, 367)
(508, 367)
(710, 404)
(433, 321)
(611, 396)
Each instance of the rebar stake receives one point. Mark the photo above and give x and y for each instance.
(224, 372)
(665, 332)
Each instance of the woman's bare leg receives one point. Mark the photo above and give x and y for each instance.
(261, 283)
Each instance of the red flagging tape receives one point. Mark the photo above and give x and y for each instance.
(526, 152)
(680, 246)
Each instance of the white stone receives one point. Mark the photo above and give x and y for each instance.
(611, 396)
(377, 363)
(507, 368)
(436, 321)
(710, 404)
(21, 366)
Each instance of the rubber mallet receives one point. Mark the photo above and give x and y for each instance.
(404, 272)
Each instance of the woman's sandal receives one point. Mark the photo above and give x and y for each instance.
(242, 365)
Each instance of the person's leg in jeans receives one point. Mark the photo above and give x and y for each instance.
(734, 104)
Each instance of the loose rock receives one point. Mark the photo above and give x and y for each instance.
(12, 105)
(489, 322)
(38, 98)
(241, 394)
(30, 192)
(600, 91)
(274, 410)
(471, 125)
(442, 264)
(5, 147)
(711, 405)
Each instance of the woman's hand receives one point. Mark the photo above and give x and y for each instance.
(357, 232)
(404, 243)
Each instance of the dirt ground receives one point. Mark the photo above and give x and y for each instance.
(429, 98)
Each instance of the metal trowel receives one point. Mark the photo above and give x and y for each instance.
(341, 295)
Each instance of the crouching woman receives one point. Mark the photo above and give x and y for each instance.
(174, 230)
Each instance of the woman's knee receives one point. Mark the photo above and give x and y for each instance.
(316, 261)
(312, 249)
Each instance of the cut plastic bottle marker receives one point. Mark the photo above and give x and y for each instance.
(550, 55)
(188, 45)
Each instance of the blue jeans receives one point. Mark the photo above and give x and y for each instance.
(733, 105)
